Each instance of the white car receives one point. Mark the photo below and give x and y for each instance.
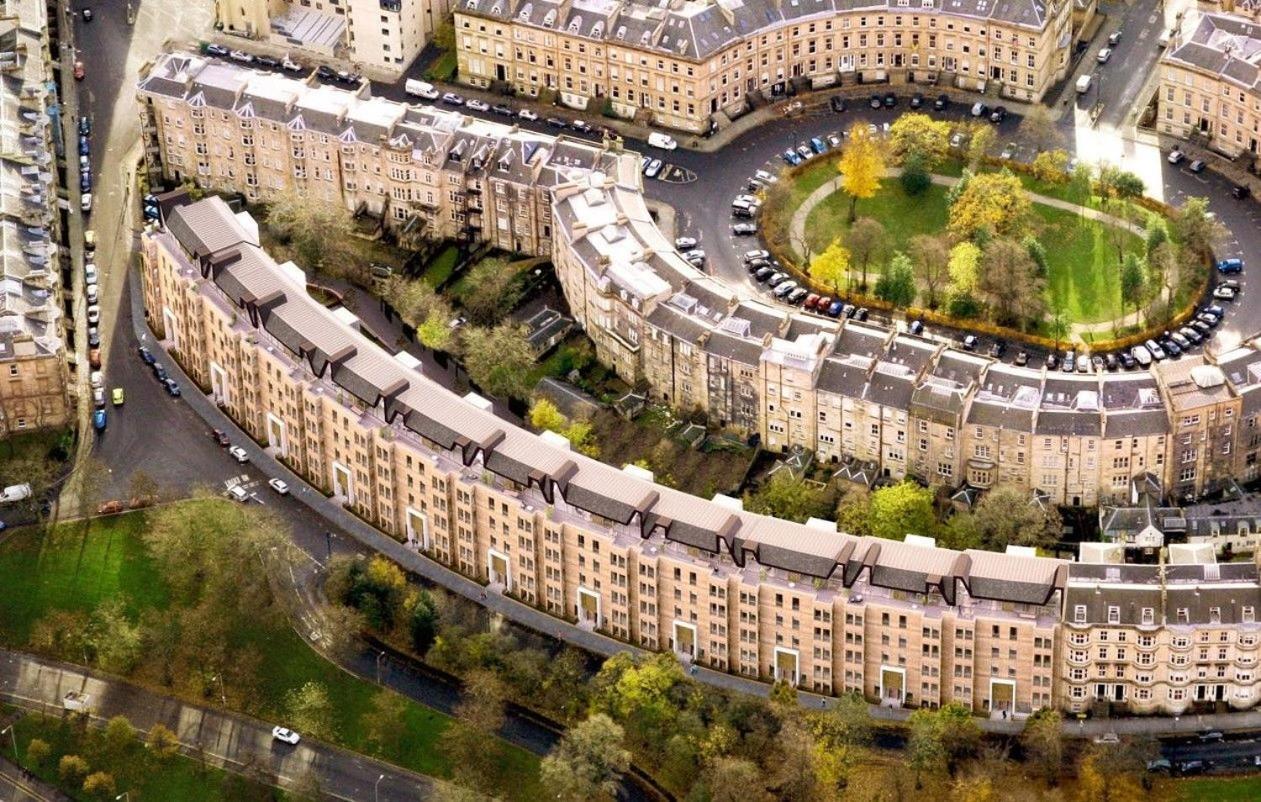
(97, 380)
(94, 314)
(288, 736)
(98, 397)
(1104, 55)
(1225, 293)
(239, 454)
(85, 201)
(289, 65)
(93, 293)
(659, 140)
(685, 243)
(765, 177)
(452, 99)
(526, 114)
(238, 493)
(1009, 152)
(241, 56)
(279, 486)
(89, 274)
(478, 105)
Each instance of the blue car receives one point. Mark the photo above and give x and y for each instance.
(85, 146)
(1231, 265)
(98, 420)
(819, 145)
(146, 356)
(172, 387)
(85, 181)
(792, 158)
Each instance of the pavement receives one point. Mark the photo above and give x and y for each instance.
(228, 740)
(16, 785)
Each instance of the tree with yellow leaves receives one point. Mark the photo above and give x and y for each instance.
(993, 202)
(1051, 166)
(832, 266)
(919, 133)
(980, 143)
(861, 166)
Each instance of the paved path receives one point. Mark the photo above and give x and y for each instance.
(228, 740)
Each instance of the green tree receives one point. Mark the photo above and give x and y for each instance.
(734, 779)
(120, 737)
(99, 785)
(309, 709)
(832, 266)
(499, 360)
(1133, 280)
(420, 307)
(444, 35)
(897, 285)
(1038, 254)
(113, 638)
(960, 734)
(161, 742)
(901, 509)
(1043, 742)
(588, 762)
(342, 627)
(862, 166)
(868, 244)
(1010, 283)
(494, 291)
(916, 177)
(470, 743)
(38, 751)
(1081, 183)
(422, 622)
(786, 496)
(1155, 234)
(931, 257)
(72, 769)
(918, 133)
(1195, 228)
(321, 233)
(1007, 516)
(639, 694)
(925, 749)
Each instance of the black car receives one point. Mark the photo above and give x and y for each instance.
(267, 61)
(876, 102)
(941, 103)
(1022, 358)
(215, 50)
(837, 103)
(325, 73)
(503, 109)
(85, 181)
(1110, 361)
(755, 265)
(1171, 348)
(763, 273)
(798, 295)
(1052, 361)
(1128, 361)
(557, 122)
(1203, 328)
(998, 114)
(1239, 191)
(917, 100)
(861, 314)
(146, 356)
(220, 437)
(160, 373)
(890, 100)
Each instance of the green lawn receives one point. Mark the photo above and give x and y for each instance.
(442, 266)
(136, 772)
(76, 567)
(1083, 273)
(1219, 789)
(443, 68)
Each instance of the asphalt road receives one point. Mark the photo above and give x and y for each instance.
(228, 739)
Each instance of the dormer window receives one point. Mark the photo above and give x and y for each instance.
(1149, 616)
(1215, 615)
(1249, 614)
(1114, 614)
(1079, 614)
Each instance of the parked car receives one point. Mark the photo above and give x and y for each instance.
(85, 202)
(804, 151)
(1176, 156)
(79, 71)
(94, 358)
(1052, 361)
(979, 109)
(220, 437)
(659, 140)
(241, 57)
(797, 296)
(784, 287)
(172, 388)
(998, 349)
(998, 114)
(1191, 334)
(876, 101)
(1232, 264)
(654, 167)
(1110, 361)
(325, 73)
(1225, 293)
(1155, 350)
(477, 105)
(837, 103)
(757, 253)
(239, 454)
(286, 735)
(917, 100)
(160, 373)
(98, 420)
(289, 65)
(1114, 38)
(861, 313)
(502, 109)
(94, 314)
(452, 99)
(1009, 151)
(1127, 360)
(279, 486)
(267, 62)
(1197, 166)
(941, 103)
(834, 140)
(916, 327)
(744, 229)
(791, 157)
(1069, 363)
(527, 114)
(85, 126)
(763, 274)
(582, 126)
(818, 145)
(146, 356)
(970, 342)
(1240, 191)
(1141, 355)
(834, 308)
(776, 279)
(219, 51)
(890, 100)
(685, 243)
(1103, 55)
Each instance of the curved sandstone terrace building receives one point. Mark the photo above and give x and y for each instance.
(681, 63)
(905, 623)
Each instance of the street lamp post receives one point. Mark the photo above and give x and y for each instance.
(380, 656)
(125, 796)
(14, 736)
(376, 789)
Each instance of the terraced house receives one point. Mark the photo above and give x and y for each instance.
(685, 63)
(1210, 85)
(34, 379)
(880, 405)
(904, 623)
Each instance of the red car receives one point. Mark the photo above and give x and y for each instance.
(219, 437)
(79, 71)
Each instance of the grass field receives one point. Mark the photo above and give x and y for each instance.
(1083, 278)
(1217, 789)
(136, 772)
(76, 567)
(442, 266)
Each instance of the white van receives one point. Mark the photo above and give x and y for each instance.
(421, 89)
(14, 493)
(662, 141)
(1083, 84)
